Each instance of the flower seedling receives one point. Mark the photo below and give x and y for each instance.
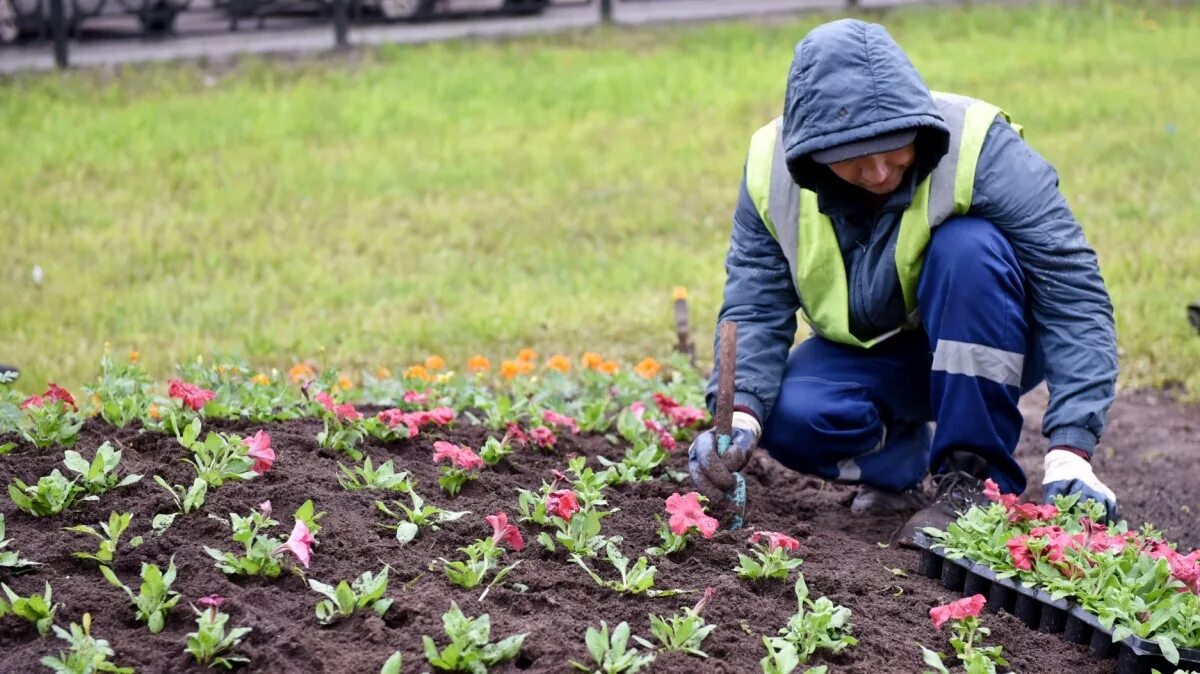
(686, 515)
(587, 483)
(612, 654)
(494, 451)
(38, 609)
(260, 556)
(343, 426)
(462, 462)
(816, 625)
(419, 515)
(210, 644)
(187, 499)
(50, 495)
(155, 598)
(342, 601)
(99, 475)
(122, 394)
(964, 618)
(470, 649)
(85, 654)
(11, 559)
(772, 558)
(187, 405)
(50, 419)
(499, 411)
(367, 476)
(638, 579)
(221, 456)
(482, 555)
(686, 631)
(115, 526)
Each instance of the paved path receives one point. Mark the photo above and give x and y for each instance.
(202, 33)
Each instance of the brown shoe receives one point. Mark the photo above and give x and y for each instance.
(955, 492)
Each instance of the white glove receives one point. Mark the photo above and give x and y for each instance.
(1068, 473)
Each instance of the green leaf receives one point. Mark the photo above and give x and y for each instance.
(406, 531)
(1167, 646)
(393, 663)
(345, 598)
(933, 660)
(74, 461)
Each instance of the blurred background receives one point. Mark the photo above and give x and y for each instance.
(413, 193)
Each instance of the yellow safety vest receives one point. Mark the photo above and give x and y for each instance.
(807, 236)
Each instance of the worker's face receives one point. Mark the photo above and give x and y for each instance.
(877, 173)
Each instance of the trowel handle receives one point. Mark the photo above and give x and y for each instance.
(726, 366)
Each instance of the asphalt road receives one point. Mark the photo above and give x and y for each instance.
(202, 32)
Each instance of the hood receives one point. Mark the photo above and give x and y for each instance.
(850, 81)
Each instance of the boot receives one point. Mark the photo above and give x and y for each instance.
(879, 503)
(955, 491)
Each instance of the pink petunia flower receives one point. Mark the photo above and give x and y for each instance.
(775, 540)
(441, 415)
(326, 400)
(414, 398)
(33, 401)
(503, 532)
(517, 436)
(346, 412)
(561, 420)
(265, 507)
(1021, 555)
(543, 437)
(299, 543)
(686, 512)
(968, 607)
(684, 417)
(260, 451)
(459, 457)
(62, 395)
(192, 396)
(213, 601)
(562, 503)
(638, 409)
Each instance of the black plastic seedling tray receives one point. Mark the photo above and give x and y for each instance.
(1039, 611)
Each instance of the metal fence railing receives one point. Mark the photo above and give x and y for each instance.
(29, 29)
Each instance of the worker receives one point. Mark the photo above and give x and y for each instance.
(943, 275)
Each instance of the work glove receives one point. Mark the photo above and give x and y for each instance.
(712, 473)
(1068, 473)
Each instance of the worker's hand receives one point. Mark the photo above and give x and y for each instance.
(1068, 473)
(713, 474)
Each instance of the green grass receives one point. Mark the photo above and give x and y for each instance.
(480, 197)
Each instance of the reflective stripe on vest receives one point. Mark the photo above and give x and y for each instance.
(807, 236)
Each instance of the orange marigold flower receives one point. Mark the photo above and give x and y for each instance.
(608, 367)
(559, 362)
(509, 369)
(527, 355)
(648, 368)
(134, 356)
(153, 412)
(261, 379)
(344, 383)
(383, 373)
(434, 363)
(301, 372)
(592, 360)
(417, 372)
(478, 364)
(679, 293)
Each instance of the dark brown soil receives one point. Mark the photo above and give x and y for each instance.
(1149, 457)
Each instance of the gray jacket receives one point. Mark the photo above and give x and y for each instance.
(848, 81)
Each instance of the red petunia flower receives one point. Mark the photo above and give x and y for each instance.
(684, 417)
(968, 607)
(192, 396)
(686, 512)
(543, 437)
(503, 532)
(665, 403)
(562, 503)
(775, 540)
(517, 436)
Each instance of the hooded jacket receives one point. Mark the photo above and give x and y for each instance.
(850, 81)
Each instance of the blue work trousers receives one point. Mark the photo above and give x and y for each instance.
(862, 415)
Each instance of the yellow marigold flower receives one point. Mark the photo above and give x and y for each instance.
(478, 364)
(527, 355)
(592, 360)
(134, 355)
(509, 369)
(559, 362)
(344, 383)
(222, 369)
(435, 362)
(383, 373)
(648, 368)
(261, 379)
(417, 372)
(608, 367)
(678, 293)
(444, 377)
(524, 366)
(301, 372)
(153, 412)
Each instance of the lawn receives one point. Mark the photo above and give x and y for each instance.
(549, 192)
